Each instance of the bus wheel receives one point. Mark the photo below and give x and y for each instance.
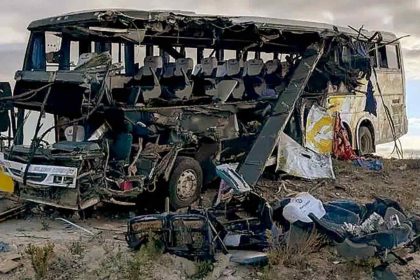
(185, 182)
(366, 143)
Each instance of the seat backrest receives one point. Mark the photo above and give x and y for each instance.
(274, 75)
(75, 133)
(185, 65)
(273, 66)
(168, 70)
(254, 70)
(209, 66)
(233, 67)
(221, 70)
(254, 67)
(152, 63)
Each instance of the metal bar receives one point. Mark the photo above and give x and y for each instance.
(76, 226)
(253, 166)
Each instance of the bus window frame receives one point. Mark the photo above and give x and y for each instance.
(387, 69)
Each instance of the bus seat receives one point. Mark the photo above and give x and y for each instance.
(221, 71)
(153, 64)
(75, 133)
(209, 67)
(254, 78)
(223, 85)
(273, 76)
(234, 72)
(233, 68)
(183, 69)
(148, 77)
(167, 80)
(205, 79)
(220, 74)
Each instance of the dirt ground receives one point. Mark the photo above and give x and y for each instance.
(103, 253)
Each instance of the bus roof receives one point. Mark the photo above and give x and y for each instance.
(263, 23)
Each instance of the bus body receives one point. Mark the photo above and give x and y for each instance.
(142, 99)
(387, 61)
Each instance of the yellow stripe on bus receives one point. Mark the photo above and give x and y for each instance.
(6, 183)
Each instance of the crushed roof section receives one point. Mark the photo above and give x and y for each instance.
(92, 16)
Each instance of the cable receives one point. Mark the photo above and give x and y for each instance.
(24, 95)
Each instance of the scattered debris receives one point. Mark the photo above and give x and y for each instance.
(300, 162)
(76, 226)
(8, 265)
(187, 235)
(4, 247)
(248, 257)
(299, 208)
(370, 164)
(10, 207)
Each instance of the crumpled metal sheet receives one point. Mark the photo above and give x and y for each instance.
(301, 162)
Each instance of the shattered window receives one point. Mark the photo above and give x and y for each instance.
(251, 55)
(230, 54)
(208, 53)
(47, 121)
(392, 56)
(117, 53)
(139, 54)
(266, 56)
(52, 48)
(388, 57)
(383, 62)
(74, 54)
(191, 53)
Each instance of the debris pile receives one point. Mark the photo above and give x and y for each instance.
(246, 226)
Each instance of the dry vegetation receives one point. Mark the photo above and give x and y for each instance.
(41, 257)
(295, 254)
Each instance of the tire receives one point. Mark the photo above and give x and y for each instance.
(366, 143)
(185, 182)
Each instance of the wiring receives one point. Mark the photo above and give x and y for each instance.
(26, 95)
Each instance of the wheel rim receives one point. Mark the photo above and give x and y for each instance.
(187, 185)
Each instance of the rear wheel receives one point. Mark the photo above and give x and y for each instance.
(185, 182)
(366, 143)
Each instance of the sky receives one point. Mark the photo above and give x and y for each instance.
(401, 17)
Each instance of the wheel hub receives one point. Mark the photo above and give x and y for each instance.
(186, 185)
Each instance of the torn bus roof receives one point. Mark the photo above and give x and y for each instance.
(183, 17)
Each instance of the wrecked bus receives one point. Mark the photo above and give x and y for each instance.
(145, 101)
